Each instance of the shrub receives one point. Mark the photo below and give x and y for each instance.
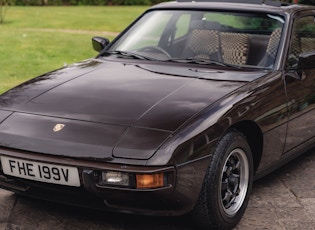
(85, 2)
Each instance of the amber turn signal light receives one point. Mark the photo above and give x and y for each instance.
(150, 180)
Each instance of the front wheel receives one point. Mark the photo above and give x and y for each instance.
(227, 184)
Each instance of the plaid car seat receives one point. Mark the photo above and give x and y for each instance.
(235, 48)
(272, 48)
(204, 44)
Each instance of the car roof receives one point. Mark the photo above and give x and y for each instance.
(235, 5)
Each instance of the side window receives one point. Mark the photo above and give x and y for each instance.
(302, 39)
(182, 26)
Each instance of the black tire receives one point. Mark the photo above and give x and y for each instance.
(227, 184)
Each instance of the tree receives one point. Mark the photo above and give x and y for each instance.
(3, 9)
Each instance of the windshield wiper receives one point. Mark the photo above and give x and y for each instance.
(204, 62)
(128, 54)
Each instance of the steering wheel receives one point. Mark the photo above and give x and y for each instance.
(153, 49)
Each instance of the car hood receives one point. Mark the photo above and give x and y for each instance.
(108, 108)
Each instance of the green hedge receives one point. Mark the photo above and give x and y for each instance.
(85, 2)
(107, 2)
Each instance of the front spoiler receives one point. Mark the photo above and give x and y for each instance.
(159, 201)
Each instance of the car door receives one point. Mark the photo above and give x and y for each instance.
(300, 86)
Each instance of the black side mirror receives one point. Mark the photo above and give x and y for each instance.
(99, 43)
(306, 61)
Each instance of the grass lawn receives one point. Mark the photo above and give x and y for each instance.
(35, 40)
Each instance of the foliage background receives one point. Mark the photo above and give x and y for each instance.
(103, 2)
(85, 2)
(309, 2)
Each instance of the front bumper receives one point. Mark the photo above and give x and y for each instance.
(172, 199)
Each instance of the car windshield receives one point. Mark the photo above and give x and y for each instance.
(236, 39)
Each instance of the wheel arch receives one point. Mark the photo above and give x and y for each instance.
(254, 136)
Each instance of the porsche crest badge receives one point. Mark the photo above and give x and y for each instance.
(58, 127)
